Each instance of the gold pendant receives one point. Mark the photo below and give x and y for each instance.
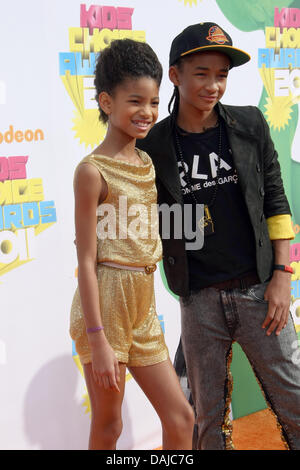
(206, 224)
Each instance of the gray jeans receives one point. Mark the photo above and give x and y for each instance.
(211, 321)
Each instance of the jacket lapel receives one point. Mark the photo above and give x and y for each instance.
(244, 156)
(165, 161)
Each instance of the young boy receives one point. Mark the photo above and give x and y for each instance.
(237, 287)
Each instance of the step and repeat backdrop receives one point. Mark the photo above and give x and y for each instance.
(48, 123)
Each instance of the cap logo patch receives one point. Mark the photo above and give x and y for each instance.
(215, 34)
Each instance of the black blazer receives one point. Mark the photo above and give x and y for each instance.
(256, 162)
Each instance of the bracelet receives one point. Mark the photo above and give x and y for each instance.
(284, 267)
(95, 329)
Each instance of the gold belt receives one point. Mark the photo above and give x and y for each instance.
(147, 269)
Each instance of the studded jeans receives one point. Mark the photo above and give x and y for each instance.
(211, 321)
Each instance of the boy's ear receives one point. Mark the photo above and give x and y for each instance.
(174, 75)
(105, 102)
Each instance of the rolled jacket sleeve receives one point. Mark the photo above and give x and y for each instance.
(280, 227)
(275, 201)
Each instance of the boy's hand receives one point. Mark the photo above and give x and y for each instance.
(278, 295)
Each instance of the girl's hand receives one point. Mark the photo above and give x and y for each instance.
(105, 364)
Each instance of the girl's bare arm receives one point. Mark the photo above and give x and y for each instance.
(89, 188)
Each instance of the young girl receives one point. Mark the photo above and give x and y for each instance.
(113, 318)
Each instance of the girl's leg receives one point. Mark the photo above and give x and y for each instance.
(160, 384)
(106, 422)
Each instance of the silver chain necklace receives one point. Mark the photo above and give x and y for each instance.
(206, 224)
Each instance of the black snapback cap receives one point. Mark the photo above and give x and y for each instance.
(206, 37)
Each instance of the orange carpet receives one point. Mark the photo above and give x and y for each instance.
(257, 431)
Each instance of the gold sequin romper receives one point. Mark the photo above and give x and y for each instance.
(127, 234)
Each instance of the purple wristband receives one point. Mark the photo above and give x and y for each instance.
(95, 329)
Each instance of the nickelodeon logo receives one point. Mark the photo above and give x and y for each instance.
(29, 135)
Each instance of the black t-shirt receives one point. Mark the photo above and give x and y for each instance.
(229, 251)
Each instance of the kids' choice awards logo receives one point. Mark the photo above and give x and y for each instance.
(24, 213)
(295, 292)
(99, 25)
(279, 66)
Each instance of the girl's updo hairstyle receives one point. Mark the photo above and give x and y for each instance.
(123, 59)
